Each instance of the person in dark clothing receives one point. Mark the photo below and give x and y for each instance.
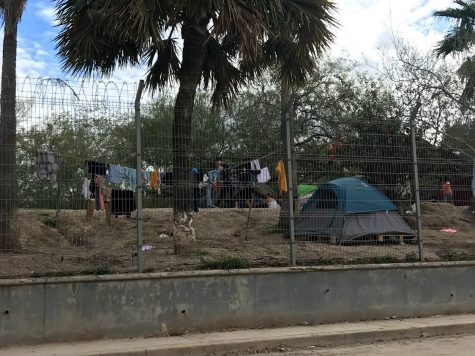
(244, 197)
(225, 198)
(196, 189)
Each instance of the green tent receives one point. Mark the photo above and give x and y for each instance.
(306, 189)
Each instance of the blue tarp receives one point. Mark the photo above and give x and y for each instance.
(349, 196)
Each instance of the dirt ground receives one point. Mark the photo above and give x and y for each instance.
(55, 244)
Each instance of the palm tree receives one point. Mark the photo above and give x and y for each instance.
(11, 11)
(225, 43)
(460, 39)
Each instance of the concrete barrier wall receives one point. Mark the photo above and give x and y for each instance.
(81, 308)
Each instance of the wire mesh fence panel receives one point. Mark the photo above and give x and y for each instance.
(447, 194)
(217, 188)
(359, 209)
(231, 189)
(67, 136)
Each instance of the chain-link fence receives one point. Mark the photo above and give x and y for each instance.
(90, 200)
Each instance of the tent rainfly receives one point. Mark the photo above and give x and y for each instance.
(350, 208)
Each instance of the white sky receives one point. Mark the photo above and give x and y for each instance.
(365, 25)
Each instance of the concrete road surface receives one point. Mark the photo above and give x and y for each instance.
(461, 345)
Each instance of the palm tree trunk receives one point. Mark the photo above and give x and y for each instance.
(286, 109)
(9, 240)
(194, 40)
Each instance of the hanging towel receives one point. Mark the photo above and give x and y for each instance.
(85, 189)
(255, 165)
(264, 176)
(154, 180)
(131, 174)
(280, 170)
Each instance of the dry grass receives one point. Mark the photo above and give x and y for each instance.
(63, 244)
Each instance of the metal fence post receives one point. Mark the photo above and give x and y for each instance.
(138, 128)
(416, 179)
(290, 194)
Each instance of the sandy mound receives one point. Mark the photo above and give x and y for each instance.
(63, 243)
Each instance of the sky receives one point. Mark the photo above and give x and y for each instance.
(364, 31)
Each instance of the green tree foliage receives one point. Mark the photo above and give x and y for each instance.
(225, 44)
(460, 39)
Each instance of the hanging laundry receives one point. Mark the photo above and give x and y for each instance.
(264, 176)
(85, 189)
(131, 175)
(154, 177)
(255, 165)
(116, 174)
(146, 178)
(96, 168)
(280, 170)
(48, 164)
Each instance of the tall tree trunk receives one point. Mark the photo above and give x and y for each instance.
(9, 240)
(287, 110)
(194, 41)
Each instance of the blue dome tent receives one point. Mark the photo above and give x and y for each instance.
(349, 208)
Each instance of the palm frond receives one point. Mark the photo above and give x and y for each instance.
(298, 34)
(466, 73)
(163, 63)
(456, 41)
(101, 36)
(461, 35)
(466, 10)
(243, 23)
(243, 38)
(220, 74)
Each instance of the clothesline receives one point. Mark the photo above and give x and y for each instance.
(258, 158)
(84, 159)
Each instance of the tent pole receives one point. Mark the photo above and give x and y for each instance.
(416, 178)
(290, 194)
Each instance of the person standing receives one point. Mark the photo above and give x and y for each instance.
(447, 194)
(225, 195)
(196, 189)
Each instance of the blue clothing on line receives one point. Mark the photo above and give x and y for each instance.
(131, 175)
(116, 174)
(146, 177)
